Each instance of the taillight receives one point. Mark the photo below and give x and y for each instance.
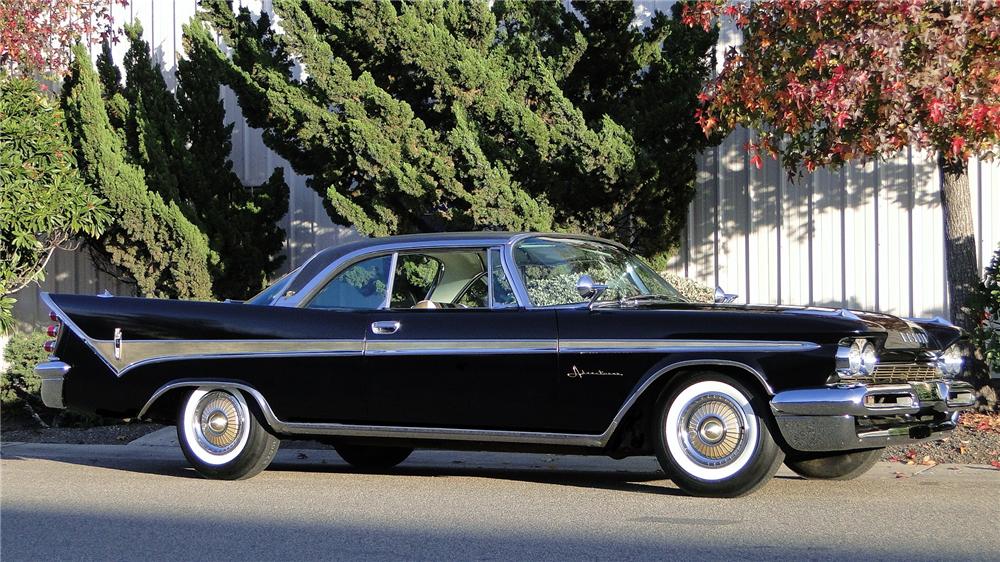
(53, 317)
(50, 346)
(53, 330)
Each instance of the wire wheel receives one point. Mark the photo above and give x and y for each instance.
(712, 430)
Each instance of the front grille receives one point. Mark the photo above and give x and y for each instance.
(890, 373)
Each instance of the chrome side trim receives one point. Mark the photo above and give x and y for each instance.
(458, 347)
(144, 352)
(446, 434)
(667, 345)
(52, 374)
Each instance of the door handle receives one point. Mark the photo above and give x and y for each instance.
(385, 327)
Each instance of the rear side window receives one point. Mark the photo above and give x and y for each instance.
(361, 286)
(416, 276)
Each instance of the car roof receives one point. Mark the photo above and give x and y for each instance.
(325, 257)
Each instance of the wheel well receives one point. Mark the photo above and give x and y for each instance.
(631, 436)
(165, 407)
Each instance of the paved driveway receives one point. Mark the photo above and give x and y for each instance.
(144, 503)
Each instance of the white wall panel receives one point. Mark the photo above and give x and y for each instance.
(928, 280)
(796, 231)
(860, 241)
(894, 235)
(827, 270)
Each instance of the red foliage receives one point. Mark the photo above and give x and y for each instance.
(824, 81)
(36, 35)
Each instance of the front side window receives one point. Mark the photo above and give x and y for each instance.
(268, 295)
(361, 286)
(551, 267)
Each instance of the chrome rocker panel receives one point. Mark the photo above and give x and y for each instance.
(825, 419)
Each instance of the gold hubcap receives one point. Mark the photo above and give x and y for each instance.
(220, 421)
(713, 430)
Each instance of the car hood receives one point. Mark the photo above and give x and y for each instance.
(900, 333)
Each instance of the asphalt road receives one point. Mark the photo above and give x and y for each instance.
(144, 503)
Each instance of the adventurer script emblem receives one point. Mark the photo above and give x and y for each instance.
(578, 374)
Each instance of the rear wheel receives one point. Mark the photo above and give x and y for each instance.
(834, 466)
(712, 439)
(371, 457)
(221, 437)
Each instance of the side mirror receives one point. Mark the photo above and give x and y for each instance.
(587, 289)
(722, 297)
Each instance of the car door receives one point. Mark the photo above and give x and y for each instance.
(334, 387)
(459, 352)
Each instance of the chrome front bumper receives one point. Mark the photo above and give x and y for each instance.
(845, 417)
(52, 375)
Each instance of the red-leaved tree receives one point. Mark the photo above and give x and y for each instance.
(36, 35)
(826, 81)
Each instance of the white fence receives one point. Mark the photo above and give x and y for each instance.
(869, 236)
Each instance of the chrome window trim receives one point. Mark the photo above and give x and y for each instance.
(489, 277)
(305, 294)
(450, 434)
(390, 283)
(507, 242)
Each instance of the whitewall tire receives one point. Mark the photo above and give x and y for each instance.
(712, 437)
(220, 435)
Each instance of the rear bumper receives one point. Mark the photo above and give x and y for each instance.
(52, 375)
(846, 417)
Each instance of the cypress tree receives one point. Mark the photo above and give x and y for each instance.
(241, 222)
(417, 116)
(149, 239)
(182, 144)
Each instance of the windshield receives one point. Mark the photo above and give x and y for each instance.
(268, 295)
(550, 268)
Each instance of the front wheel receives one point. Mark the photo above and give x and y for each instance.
(834, 466)
(221, 437)
(712, 439)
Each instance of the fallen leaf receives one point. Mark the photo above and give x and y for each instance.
(911, 454)
(995, 464)
(894, 458)
(900, 475)
(911, 462)
(961, 449)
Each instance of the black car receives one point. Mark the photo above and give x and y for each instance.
(512, 342)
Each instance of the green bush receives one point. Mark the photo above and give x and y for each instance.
(691, 289)
(21, 354)
(44, 204)
(986, 336)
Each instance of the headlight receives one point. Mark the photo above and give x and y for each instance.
(950, 362)
(868, 358)
(856, 358)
